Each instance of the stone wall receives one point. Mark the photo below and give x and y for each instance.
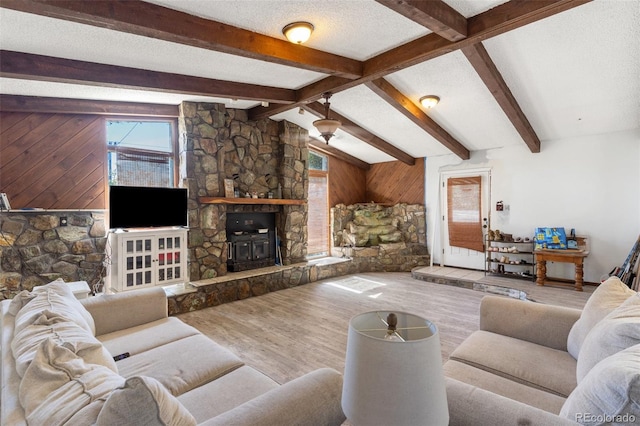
(294, 172)
(217, 143)
(35, 249)
(380, 238)
(369, 224)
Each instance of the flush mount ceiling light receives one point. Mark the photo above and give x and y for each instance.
(326, 126)
(429, 101)
(298, 32)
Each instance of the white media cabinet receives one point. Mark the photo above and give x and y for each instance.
(147, 257)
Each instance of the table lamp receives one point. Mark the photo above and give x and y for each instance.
(393, 371)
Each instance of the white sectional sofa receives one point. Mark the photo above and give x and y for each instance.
(58, 367)
(536, 364)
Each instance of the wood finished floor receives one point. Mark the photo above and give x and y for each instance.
(288, 333)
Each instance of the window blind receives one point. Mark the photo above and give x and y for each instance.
(464, 197)
(144, 169)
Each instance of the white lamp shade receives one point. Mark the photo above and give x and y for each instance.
(394, 382)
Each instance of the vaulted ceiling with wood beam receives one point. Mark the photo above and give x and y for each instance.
(508, 73)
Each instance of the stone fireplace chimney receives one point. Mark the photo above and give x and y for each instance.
(217, 143)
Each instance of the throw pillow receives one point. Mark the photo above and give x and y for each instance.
(617, 331)
(610, 393)
(57, 384)
(57, 297)
(607, 296)
(51, 325)
(143, 401)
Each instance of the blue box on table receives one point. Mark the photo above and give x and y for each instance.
(550, 238)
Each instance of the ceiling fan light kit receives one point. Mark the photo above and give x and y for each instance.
(429, 101)
(326, 126)
(298, 32)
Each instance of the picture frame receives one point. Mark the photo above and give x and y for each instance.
(228, 188)
(4, 202)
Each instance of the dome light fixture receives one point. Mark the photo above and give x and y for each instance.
(326, 126)
(298, 32)
(429, 101)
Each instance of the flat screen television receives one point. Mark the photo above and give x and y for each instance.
(142, 207)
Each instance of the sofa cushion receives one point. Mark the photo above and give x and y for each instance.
(610, 391)
(143, 401)
(502, 386)
(226, 393)
(147, 336)
(58, 383)
(607, 296)
(51, 325)
(617, 331)
(55, 297)
(538, 366)
(183, 364)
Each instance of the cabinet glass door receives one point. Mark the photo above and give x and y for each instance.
(138, 262)
(169, 259)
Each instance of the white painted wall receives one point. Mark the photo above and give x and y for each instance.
(590, 183)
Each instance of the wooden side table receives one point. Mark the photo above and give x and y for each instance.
(566, 256)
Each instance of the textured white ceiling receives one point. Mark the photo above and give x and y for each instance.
(576, 73)
(344, 28)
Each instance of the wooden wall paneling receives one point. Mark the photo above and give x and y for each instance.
(70, 190)
(27, 144)
(53, 160)
(10, 119)
(70, 170)
(347, 183)
(47, 173)
(395, 182)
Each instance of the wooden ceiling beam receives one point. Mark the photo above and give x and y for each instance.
(400, 102)
(325, 148)
(15, 103)
(499, 20)
(435, 15)
(305, 95)
(348, 126)
(47, 68)
(151, 20)
(488, 72)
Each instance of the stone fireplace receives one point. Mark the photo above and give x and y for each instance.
(263, 156)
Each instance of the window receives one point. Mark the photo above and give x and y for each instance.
(141, 153)
(318, 202)
(318, 161)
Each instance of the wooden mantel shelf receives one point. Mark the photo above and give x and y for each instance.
(224, 200)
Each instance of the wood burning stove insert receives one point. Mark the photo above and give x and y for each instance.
(250, 241)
